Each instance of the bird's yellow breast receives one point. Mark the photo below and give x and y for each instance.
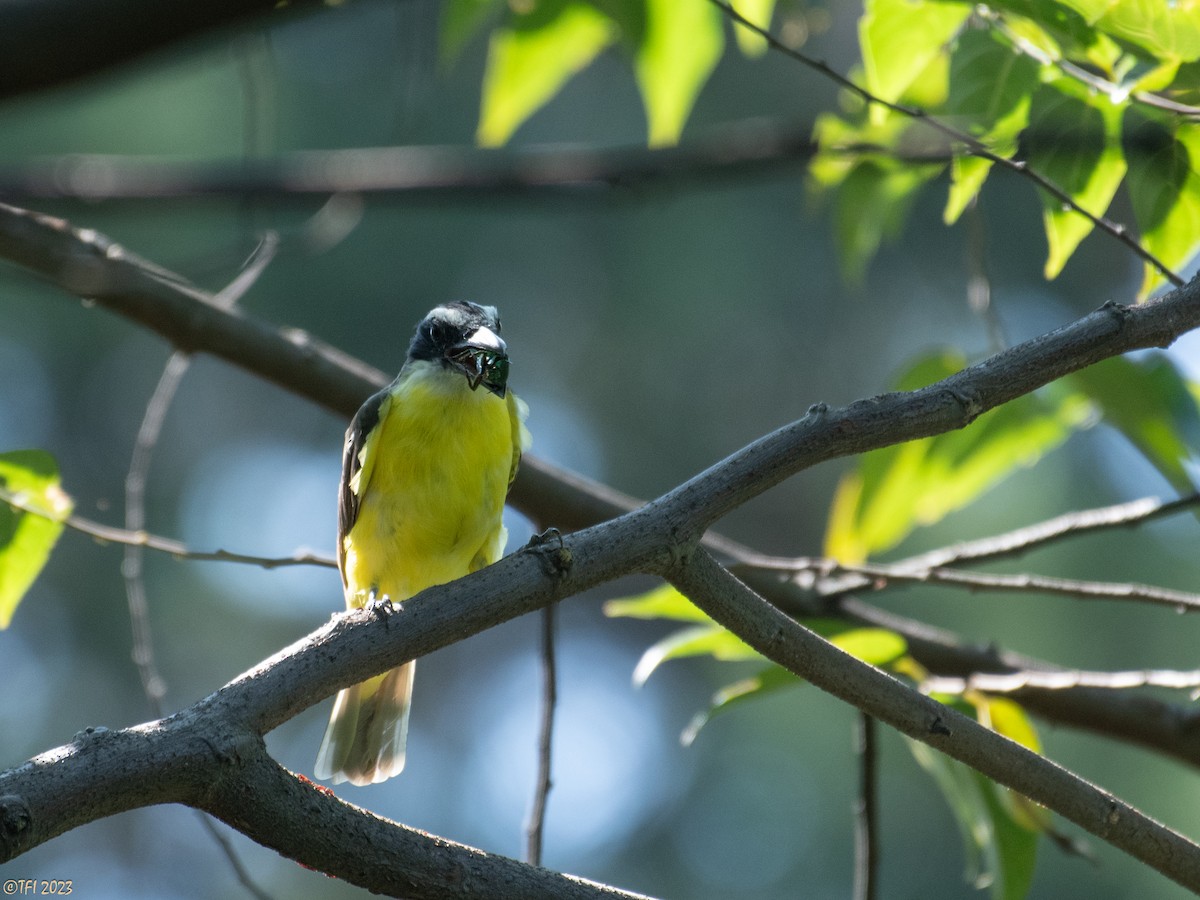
(435, 472)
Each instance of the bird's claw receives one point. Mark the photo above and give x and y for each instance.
(551, 551)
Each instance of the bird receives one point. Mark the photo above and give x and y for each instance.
(426, 467)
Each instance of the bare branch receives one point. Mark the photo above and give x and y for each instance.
(1042, 534)
(662, 537)
(866, 832)
(831, 579)
(110, 535)
(883, 575)
(548, 493)
(1064, 679)
(535, 824)
(876, 693)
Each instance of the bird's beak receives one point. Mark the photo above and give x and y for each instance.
(483, 358)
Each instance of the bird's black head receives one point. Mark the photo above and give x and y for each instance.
(466, 337)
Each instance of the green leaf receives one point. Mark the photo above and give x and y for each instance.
(681, 44)
(1074, 139)
(1009, 718)
(961, 793)
(766, 682)
(990, 90)
(895, 489)
(1000, 852)
(699, 640)
(759, 12)
(531, 57)
(460, 21)
(1151, 404)
(664, 602)
(876, 646)
(1161, 29)
(1165, 189)
(30, 478)
(1057, 30)
(872, 204)
(899, 40)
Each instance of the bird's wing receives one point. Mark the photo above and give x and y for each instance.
(518, 410)
(357, 462)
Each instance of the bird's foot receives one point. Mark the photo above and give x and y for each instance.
(381, 605)
(551, 552)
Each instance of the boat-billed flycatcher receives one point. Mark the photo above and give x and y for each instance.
(425, 470)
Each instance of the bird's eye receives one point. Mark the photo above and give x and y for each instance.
(439, 333)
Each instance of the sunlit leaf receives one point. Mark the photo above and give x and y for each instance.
(895, 489)
(876, 646)
(1151, 404)
(664, 602)
(1015, 846)
(1057, 30)
(699, 640)
(1000, 853)
(990, 89)
(530, 58)
(1075, 143)
(900, 38)
(766, 682)
(961, 792)
(1163, 29)
(872, 204)
(759, 12)
(681, 44)
(1009, 718)
(30, 477)
(1165, 189)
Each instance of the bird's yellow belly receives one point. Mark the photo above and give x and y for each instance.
(431, 511)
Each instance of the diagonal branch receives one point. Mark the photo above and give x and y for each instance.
(662, 537)
(876, 693)
(78, 260)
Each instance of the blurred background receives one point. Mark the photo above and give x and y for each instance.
(653, 331)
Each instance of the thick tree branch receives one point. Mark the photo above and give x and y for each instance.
(662, 537)
(83, 262)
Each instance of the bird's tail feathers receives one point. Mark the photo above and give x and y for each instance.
(365, 739)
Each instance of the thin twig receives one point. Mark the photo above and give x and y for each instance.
(979, 282)
(109, 534)
(135, 523)
(818, 572)
(1065, 679)
(973, 145)
(1024, 582)
(535, 825)
(866, 837)
(1039, 535)
(132, 571)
